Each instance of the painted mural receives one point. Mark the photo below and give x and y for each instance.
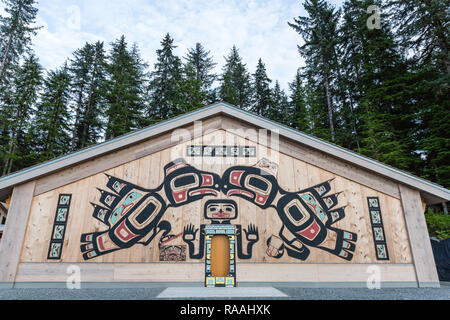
(379, 237)
(59, 227)
(220, 212)
(135, 215)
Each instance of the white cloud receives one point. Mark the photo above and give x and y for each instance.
(258, 28)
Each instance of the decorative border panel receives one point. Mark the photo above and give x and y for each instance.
(379, 237)
(221, 151)
(59, 227)
(230, 279)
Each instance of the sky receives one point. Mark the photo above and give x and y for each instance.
(258, 28)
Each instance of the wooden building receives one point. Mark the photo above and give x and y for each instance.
(216, 197)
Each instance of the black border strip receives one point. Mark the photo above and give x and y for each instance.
(59, 223)
(377, 225)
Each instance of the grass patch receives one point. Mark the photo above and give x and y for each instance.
(438, 224)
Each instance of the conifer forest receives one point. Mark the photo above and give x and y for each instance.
(379, 90)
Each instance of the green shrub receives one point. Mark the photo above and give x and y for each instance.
(438, 224)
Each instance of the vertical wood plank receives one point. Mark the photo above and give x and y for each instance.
(399, 232)
(16, 225)
(355, 210)
(418, 237)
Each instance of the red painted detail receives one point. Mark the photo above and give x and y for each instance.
(171, 238)
(235, 177)
(261, 199)
(203, 191)
(123, 233)
(243, 192)
(221, 215)
(126, 208)
(180, 196)
(313, 207)
(343, 254)
(311, 232)
(207, 180)
(100, 243)
(175, 167)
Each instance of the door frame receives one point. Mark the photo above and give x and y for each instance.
(230, 279)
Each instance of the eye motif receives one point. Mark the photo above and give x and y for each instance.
(131, 197)
(127, 204)
(308, 198)
(313, 204)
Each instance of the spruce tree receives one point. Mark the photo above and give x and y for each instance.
(318, 30)
(432, 130)
(300, 117)
(375, 74)
(199, 65)
(424, 27)
(318, 115)
(16, 30)
(88, 71)
(124, 89)
(51, 125)
(261, 93)
(280, 110)
(190, 92)
(26, 83)
(235, 85)
(435, 143)
(165, 83)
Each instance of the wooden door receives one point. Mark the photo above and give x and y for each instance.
(220, 255)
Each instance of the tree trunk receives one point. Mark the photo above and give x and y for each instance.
(330, 109)
(11, 160)
(77, 118)
(12, 143)
(87, 111)
(442, 40)
(7, 165)
(8, 47)
(5, 58)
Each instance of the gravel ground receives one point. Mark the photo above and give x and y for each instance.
(293, 293)
(442, 293)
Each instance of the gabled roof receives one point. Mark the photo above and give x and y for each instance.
(222, 108)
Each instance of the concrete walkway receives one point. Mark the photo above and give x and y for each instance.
(221, 293)
(246, 293)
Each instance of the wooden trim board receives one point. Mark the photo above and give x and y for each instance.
(194, 272)
(418, 237)
(14, 234)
